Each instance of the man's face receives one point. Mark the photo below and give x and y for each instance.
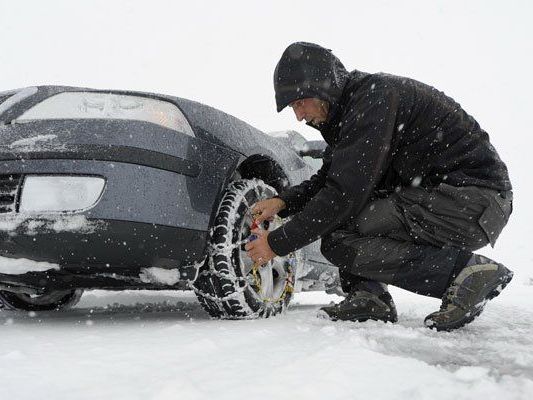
(314, 111)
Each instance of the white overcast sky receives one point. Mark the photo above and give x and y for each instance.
(223, 53)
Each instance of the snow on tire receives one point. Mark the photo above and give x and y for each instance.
(58, 300)
(229, 285)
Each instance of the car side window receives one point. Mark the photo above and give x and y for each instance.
(92, 105)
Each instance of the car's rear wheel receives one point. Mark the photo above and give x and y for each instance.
(229, 285)
(57, 300)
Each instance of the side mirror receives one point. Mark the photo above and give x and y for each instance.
(298, 143)
(313, 149)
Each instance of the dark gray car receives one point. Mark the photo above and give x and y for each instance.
(127, 190)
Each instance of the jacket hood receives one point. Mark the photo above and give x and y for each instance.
(308, 70)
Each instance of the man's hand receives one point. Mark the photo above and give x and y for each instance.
(259, 250)
(266, 209)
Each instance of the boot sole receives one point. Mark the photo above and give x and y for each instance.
(324, 315)
(493, 292)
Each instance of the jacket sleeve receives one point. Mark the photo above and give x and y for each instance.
(296, 197)
(357, 162)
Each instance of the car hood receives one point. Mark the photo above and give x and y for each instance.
(57, 135)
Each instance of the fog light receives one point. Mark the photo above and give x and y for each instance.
(60, 193)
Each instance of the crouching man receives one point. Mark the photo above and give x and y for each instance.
(409, 188)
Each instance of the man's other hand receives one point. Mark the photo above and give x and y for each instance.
(259, 250)
(266, 209)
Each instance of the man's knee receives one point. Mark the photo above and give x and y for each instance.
(335, 249)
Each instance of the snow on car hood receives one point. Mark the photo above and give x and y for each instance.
(32, 143)
(18, 266)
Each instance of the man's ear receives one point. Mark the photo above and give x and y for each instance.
(325, 106)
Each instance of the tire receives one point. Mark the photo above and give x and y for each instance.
(228, 286)
(53, 301)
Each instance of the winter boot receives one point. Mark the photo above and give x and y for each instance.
(367, 300)
(480, 281)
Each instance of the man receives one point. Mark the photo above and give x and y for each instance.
(409, 187)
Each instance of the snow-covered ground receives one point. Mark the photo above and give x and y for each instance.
(161, 345)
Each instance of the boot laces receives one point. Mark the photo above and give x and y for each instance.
(452, 297)
(449, 296)
(348, 299)
(351, 299)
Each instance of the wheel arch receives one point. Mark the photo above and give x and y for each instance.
(262, 167)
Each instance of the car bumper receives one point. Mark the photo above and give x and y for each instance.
(92, 245)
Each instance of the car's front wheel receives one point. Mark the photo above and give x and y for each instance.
(229, 284)
(57, 300)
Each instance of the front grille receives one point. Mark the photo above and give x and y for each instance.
(9, 192)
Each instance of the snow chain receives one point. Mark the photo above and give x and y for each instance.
(288, 284)
(289, 288)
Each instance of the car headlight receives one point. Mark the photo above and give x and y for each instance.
(60, 193)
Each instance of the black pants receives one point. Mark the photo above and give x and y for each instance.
(418, 238)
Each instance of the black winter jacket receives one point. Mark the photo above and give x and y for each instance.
(383, 132)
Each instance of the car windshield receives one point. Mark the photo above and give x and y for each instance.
(5, 96)
(10, 98)
(90, 105)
